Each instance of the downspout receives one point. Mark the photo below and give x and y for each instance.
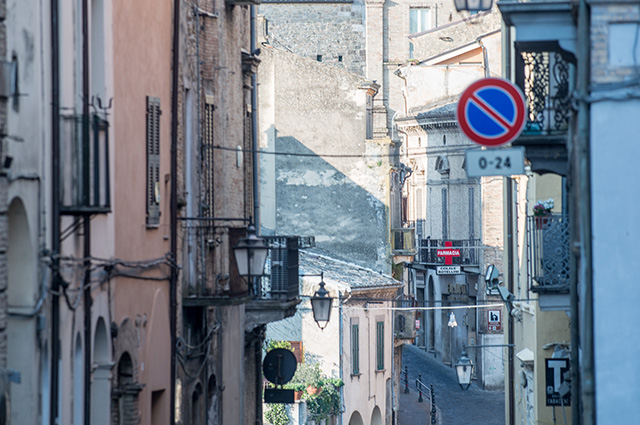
(55, 215)
(86, 286)
(511, 244)
(340, 348)
(173, 214)
(584, 212)
(256, 195)
(254, 128)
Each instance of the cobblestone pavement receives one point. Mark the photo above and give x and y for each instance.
(474, 406)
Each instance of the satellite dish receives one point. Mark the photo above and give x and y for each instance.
(279, 366)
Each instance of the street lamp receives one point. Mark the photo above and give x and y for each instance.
(251, 254)
(472, 5)
(321, 305)
(464, 370)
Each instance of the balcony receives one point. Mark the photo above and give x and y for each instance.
(545, 72)
(469, 252)
(548, 257)
(404, 326)
(278, 292)
(209, 283)
(84, 165)
(403, 241)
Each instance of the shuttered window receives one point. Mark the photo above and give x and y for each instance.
(355, 349)
(207, 158)
(153, 161)
(379, 345)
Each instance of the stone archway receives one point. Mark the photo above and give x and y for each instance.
(376, 416)
(125, 409)
(100, 387)
(22, 296)
(356, 419)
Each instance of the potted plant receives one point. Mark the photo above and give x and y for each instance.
(542, 212)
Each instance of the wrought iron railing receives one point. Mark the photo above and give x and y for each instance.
(202, 274)
(84, 165)
(281, 279)
(547, 81)
(403, 240)
(548, 245)
(470, 250)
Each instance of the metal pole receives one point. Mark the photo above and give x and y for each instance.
(433, 406)
(511, 250)
(406, 380)
(419, 385)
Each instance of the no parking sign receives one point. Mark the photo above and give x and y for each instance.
(491, 112)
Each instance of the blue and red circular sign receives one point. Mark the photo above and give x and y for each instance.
(491, 112)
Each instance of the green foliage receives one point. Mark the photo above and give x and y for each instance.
(307, 374)
(271, 344)
(276, 414)
(324, 404)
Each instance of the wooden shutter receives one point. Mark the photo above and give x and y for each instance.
(153, 161)
(355, 350)
(207, 157)
(380, 345)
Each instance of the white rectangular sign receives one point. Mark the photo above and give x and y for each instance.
(448, 270)
(495, 162)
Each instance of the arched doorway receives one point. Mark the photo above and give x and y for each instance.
(376, 416)
(432, 316)
(125, 395)
(22, 293)
(212, 401)
(356, 419)
(78, 383)
(100, 387)
(196, 405)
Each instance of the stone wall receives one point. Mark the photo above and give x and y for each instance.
(331, 33)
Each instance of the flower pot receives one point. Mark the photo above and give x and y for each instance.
(541, 222)
(297, 395)
(311, 390)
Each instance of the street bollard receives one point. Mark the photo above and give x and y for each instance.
(419, 385)
(433, 407)
(406, 380)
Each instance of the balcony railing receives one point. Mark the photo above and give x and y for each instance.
(469, 251)
(204, 279)
(403, 241)
(546, 78)
(84, 165)
(281, 280)
(548, 260)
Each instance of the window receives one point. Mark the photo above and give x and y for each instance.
(379, 345)
(153, 161)
(419, 20)
(355, 349)
(445, 215)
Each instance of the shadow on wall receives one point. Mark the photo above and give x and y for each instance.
(314, 198)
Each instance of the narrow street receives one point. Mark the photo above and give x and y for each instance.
(474, 406)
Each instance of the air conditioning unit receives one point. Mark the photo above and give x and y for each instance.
(404, 326)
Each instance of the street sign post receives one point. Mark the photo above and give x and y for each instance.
(495, 162)
(494, 320)
(491, 112)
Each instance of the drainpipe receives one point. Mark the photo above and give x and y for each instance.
(55, 215)
(173, 206)
(511, 243)
(86, 285)
(254, 128)
(584, 213)
(340, 348)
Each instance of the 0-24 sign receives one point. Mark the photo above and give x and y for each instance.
(495, 162)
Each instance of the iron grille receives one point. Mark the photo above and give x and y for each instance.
(469, 251)
(84, 165)
(548, 245)
(546, 79)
